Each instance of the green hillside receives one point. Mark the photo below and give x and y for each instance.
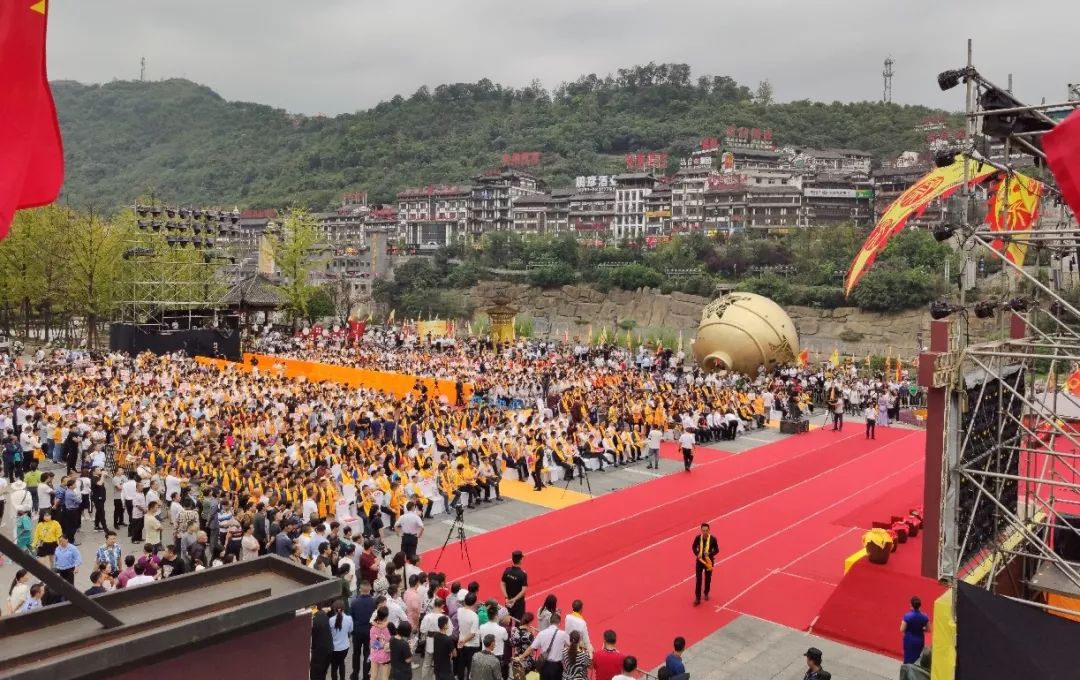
(185, 143)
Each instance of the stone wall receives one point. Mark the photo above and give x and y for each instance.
(573, 308)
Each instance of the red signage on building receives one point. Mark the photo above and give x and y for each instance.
(520, 159)
(748, 137)
(710, 143)
(646, 161)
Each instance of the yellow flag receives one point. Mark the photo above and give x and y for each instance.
(834, 358)
(390, 319)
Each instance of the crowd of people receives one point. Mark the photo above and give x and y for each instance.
(206, 466)
(452, 631)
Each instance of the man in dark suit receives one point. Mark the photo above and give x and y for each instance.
(705, 549)
(322, 644)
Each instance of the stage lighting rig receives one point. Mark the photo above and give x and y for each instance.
(984, 309)
(940, 309)
(944, 232)
(947, 80)
(1019, 304)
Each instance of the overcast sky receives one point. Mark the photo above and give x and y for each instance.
(334, 56)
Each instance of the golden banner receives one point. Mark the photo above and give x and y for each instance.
(1017, 201)
(938, 183)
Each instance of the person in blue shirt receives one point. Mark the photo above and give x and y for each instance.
(914, 627)
(67, 559)
(341, 629)
(674, 663)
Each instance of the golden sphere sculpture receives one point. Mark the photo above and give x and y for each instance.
(742, 331)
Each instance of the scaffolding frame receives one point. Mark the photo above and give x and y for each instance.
(1033, 437)
(179, 266)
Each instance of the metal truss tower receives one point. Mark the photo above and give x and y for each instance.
(178, 265)
(1009, 436)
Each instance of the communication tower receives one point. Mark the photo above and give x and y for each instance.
(887, 75)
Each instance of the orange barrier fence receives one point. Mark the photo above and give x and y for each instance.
(397, 384)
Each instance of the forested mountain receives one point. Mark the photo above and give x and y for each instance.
(185, 143)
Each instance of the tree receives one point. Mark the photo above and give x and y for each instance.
(763, 95)
(341, 297)
(890, 290)
(634, 276)
(294, 249)
(772, 286)
(320, 304)
(552, 277)
(95, 271)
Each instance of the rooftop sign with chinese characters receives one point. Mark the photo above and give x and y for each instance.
(521, 159)
(594, 182)
(748, 138)
(646, 161)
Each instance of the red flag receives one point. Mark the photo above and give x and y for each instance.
(1062, 147)
(31, 155)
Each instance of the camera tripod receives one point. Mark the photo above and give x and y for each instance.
(458, 527)
(583, 475)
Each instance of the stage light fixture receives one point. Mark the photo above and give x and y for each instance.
(947, 80)
(137, 252)
(944, 158)
(940, 309)
(984, 309)
(944, 232)
(1018, 304)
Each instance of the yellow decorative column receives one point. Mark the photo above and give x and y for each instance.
(502, 319)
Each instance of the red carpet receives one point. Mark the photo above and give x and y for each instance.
(866, 608)
(627, 554)
(702, 454)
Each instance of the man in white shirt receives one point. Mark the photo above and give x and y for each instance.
(429, 625)
(655, 435)
(575, 621)
(468, 634)
(128, 488)
(410, 527)
(495, 628)
(551, 643)
(629, 667)
(686, 443)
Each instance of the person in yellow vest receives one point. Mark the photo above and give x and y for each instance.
(488, 478)
(396, 503)
(416, 495)
(465, 482)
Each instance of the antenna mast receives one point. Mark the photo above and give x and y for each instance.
(887, 74)
(142, 69)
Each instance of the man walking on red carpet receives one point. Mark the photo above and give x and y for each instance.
(705, 549)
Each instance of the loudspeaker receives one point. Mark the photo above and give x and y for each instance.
(1067, 541)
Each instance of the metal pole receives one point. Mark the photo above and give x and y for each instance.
(55, 582)
(965, 192)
